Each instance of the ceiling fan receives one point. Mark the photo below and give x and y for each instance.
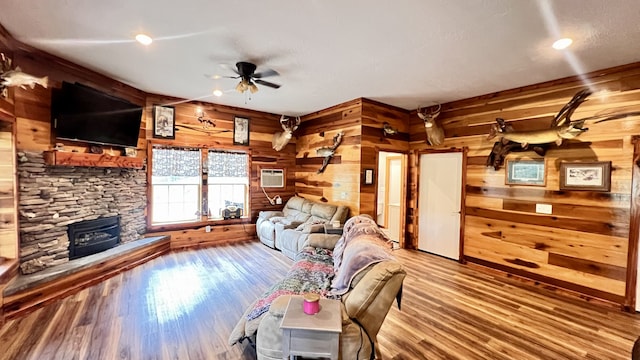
(249, 77)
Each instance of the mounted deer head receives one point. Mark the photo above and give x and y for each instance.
(435, 133)
(281, 139)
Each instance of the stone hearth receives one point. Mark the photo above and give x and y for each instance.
(52, 197)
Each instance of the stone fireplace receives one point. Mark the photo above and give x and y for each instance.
(54, 197)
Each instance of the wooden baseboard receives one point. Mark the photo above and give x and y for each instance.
(202, 243)
(28, 300)
(218, 235)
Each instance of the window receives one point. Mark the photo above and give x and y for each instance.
(228, 181)
(177, 175)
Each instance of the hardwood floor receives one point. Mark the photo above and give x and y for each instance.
(183, 306)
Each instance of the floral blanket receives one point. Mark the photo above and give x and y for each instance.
(312, 272)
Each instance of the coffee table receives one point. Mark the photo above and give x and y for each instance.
(315, 335)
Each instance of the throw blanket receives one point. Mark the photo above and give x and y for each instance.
(311, 273)
(362, 244)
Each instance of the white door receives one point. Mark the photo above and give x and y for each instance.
(440, 190)
(394, 196)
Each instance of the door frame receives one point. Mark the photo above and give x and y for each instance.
(386, 190)
(404, 155)
(463, 194)
(632, 302)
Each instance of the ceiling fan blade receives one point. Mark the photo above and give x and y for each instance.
(265, 73)
(216, 77)
(229, 68)
(266, 83)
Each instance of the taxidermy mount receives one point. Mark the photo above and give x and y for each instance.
(562, 127)
(435, 132)
(328, 151)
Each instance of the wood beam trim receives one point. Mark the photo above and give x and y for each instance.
(634, 229)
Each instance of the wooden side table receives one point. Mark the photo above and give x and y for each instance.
(315, 335)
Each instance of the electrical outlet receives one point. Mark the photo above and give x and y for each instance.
(279, 200)
(207, 228)
(544, 208)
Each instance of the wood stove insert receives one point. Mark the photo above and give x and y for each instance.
(93, 236)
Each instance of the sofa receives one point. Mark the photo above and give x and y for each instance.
(357, 268)
(287, 230)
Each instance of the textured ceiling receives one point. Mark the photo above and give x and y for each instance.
(405, 53)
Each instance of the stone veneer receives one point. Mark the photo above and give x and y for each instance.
(52, 197)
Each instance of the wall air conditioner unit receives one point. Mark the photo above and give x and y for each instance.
(271, 178)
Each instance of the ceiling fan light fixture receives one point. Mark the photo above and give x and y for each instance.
(242, 86)
(253, 88)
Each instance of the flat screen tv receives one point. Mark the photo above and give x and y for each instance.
(81, 113)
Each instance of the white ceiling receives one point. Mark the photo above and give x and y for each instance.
(405, 53)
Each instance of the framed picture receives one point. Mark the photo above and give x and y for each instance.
(164, 122)
(240, 131)
(526, 172)
(593, 176)
(368, 176)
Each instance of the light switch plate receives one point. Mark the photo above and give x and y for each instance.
(544, 208)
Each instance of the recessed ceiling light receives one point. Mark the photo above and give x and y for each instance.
(217, 92)
(144, 39)
(561, 44)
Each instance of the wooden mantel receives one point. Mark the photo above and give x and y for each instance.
(61, 158)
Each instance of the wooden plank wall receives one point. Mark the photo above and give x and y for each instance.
(8, 218)
(339, 184)
(33, 106)
(374, 115)
(189, 132)
(9, 242)
(583, 245)
(7, 45)
(8, 199)
(33, 122)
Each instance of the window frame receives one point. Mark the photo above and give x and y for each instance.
(204, 218)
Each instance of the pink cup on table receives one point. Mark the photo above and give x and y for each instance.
(311, 303)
